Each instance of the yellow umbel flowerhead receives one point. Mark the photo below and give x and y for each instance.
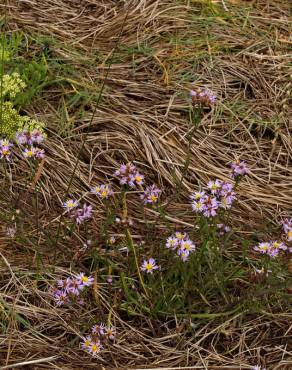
(12, 85)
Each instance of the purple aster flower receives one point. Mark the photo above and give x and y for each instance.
(151, 194)
(172, 242)
(129, 175)
(82, 214)
(198, 195)
(214, 186)
(110, 332)
(287, 227)
(98, 329)
(64, 284)
(198, 206)
(149, 265)
(39, 153)
(210, 207)
(5, 151)
(84, 280)
(184, 254)
(21, 137)
(29, 152)
(203, 97)
(70, 204)
(60, 297)
(36, 137)
(102, 191)
(95, 348)
(187, 245)
(74, 287)
(86, 342)
(226, 189)
(263, 247)
(287, 224)
(239, 168)
(275, 248)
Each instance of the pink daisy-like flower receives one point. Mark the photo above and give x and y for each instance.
(5, 151)
(74, 287)
(84, 280)
(214, 186)
(203, 97)
(86, 342)
(95, 348)
(187, 245)
(98, 329)
(263, 247)
(39, 153)
(149, 266)
(36, 137)
(198, 195)
(64, 284)
(184, 254)
(110, 332)
(70, 204)
(210, 207)
(21, 137)
(60, 297)
(83, 214)
(198, 206)
(29, 152)
(129, 175)
(151, 194)
(172, 242)
(239, 168)
(287, 227)
(102, 191)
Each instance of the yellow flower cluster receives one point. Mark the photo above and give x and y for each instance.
(11, 122)
(12, 85)
(4, 55)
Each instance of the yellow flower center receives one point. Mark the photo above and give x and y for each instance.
(138, 178)
(85, 279)
(104, 193)
(149, 266)
(70, 204)
(87, 343)
(187, 246)
(289, 233)
(94, 348)
(154, 198)
(29, 153)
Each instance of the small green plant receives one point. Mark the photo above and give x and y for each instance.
(11, 94)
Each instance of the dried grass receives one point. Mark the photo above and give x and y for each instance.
(143, 117)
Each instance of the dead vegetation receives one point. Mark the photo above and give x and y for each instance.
(145, 54)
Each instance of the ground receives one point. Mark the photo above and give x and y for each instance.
(110, 79)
